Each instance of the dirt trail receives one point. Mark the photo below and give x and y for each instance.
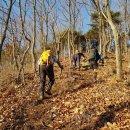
(78, 102)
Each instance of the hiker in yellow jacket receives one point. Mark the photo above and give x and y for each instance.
(46, 62)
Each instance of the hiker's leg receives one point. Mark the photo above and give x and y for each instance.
(50, 73)
(102, 61)
(75, 63)
(42, 73)
(78, 62)
(91, 63)
(75, 60)
(95, 64)
(92, 66)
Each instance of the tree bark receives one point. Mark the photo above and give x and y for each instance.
(125, 28)
(14, 47)
(69, 23)
(41, 21)
(104, 40)
(100, 34)
(117, 42)
(29, 42)
(5, 28)
(34, 38)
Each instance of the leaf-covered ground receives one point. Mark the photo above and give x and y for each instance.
(81, 100)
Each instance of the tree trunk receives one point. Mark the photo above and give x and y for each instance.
(14, 48)
(34, 38)
(118, 55)
(109, 46)
(72, 42)
(42, 37)
(5, 28)
(104, 40)
(29, 42)
(118, 52)
(54, 38)
(117, 42)
(46, 21)
(125, 28)
(100, 34)
(46, 40)
(69, 23)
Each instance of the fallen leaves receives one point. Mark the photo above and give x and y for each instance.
(77, 102)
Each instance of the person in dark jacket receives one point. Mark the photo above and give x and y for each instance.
(76, 58)
(93, 58)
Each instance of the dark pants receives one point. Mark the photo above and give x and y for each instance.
(76, 60)
(43, 71)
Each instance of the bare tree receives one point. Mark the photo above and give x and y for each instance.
(46, 15)
(108, 17)
(26, 37)
(34, 37)
(40, 13)
(14, 46)
(116, 38)
(125, 24)
(69, 29)
(47, 6)
(6, 26)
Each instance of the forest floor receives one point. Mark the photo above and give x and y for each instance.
(79, 102)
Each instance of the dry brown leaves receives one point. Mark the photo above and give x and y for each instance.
(78, 102)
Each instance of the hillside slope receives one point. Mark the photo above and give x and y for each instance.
(79, 101)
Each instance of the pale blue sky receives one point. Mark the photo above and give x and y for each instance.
(84, 13)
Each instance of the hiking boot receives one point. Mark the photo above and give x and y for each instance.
(48, 92)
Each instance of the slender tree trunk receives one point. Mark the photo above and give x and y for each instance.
(100, 34)
(64, 51)
(117, 42)
(72, 42)
(46, 21)
(74, 25)
(46, 41)
(118, 55)
(5, 28)
(125, 28)
(109, 46)
(29, 42)
(34, 38)
(42, 37)
(54, 38)
(14, 48)
(69, 23)
(104, 41)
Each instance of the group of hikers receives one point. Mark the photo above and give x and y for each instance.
(47, 59)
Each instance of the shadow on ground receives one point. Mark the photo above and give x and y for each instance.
(108, 116)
